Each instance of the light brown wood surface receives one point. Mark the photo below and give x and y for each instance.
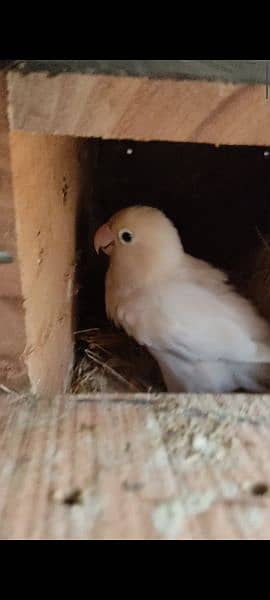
(139, 108)
(143, 467)
(47, 183)
(13, 370)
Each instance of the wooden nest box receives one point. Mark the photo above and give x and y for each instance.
(73, 143)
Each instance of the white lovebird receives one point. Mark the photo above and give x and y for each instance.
(203, 334)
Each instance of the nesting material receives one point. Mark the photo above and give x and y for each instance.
(110, 361)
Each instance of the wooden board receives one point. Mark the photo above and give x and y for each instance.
(247, 71)
(12, 321)
(121, 107)
(48, 184)
(143, 467)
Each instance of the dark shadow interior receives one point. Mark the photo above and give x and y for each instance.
(218, 197)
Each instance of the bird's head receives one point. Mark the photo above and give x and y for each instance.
(140, 233)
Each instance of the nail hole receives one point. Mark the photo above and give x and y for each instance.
(259, 489)
(75, 497)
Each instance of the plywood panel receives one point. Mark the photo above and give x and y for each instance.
(139, 108)
(135, 467)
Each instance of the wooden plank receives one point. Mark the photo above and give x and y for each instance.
(120, 107)
(247, 71)
(48, 183)
(135, 467)
(13, 372)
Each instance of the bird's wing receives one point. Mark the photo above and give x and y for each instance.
(196, 326)
(217, 339)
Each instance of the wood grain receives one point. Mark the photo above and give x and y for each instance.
(47, 183)
(135, 467)
(13, 372)
(122, 107)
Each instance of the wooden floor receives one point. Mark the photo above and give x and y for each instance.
(141, 467)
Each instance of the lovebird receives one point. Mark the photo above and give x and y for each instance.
(204, 335)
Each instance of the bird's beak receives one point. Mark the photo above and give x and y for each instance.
(104, 239)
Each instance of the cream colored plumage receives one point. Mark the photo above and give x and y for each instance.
(203, 334)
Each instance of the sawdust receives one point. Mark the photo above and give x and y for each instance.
(169, 517)
(250, 518)
(193, 439)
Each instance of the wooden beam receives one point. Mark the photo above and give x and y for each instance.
(47, 183)
(135, 467)
(121, 107)
(13, 371)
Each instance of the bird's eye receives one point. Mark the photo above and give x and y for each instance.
(125, 236)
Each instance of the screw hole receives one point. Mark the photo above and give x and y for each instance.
(259, 489)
